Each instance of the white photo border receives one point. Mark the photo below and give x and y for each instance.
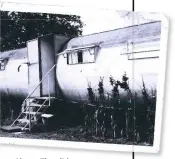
(89, 145)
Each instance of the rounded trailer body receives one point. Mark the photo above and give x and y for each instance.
(131, 51)
(22, 70)
(84, 61)
(14, 75)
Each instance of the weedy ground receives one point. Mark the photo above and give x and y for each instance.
(69, 134)
(76, 132)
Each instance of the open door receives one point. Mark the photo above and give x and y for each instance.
(47, 65)
(33, 68)
(42, 61)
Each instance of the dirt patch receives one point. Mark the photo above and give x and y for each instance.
(69, 134)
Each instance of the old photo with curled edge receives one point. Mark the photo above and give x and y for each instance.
(77, 80)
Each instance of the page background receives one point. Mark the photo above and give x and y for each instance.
(168, 128)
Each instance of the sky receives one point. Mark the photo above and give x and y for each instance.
(109, 20)
(95, 20)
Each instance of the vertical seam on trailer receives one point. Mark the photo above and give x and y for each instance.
(40, 66)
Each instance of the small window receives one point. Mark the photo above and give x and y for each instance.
(140, 51)
(3, 64)
(67, 59)
(80, 56)
(72, 58)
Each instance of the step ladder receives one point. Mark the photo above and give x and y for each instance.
(32, 110)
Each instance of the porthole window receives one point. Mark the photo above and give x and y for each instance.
(3, 63)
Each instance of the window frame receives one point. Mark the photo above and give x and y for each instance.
(74, 50)
(4, 61)
(129, 52)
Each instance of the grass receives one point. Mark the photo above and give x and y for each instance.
(142, 106)
(77, 132)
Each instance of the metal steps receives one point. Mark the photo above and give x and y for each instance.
(14, 128)
(37, 105)
(33, 110)
(25, 120)
(11, 128)
(45, 98)
(33, 113)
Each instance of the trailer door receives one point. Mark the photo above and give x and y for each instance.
(33, 69)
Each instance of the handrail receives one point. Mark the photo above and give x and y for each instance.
(40, 83)
(33, 92)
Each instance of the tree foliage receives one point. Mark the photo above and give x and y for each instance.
(19, 27)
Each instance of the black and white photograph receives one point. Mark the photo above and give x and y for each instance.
(91, 78)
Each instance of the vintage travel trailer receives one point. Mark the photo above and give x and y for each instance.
(132, 50)
(55, 65)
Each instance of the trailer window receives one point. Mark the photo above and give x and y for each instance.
(3, 64)
(67, 59)
(139, 51)
(81, 57)
(89, 56)
(72, 58)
